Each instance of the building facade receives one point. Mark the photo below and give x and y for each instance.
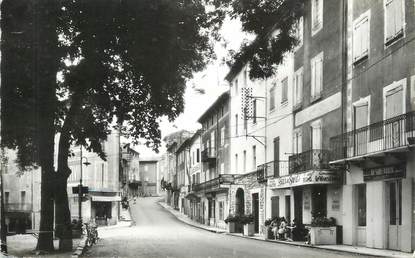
(215, 175)
(102, 203)
(148, 176)
(376, 148)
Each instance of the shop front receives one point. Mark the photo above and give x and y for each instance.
(105, 209)
(302, 196)
(378, 204)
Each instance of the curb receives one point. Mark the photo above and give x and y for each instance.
(193, 225)
(272, 241)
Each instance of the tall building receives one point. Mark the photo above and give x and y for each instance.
(102, 203)
(215, 176)
(376, 148)
(129, 174)
(148, 176)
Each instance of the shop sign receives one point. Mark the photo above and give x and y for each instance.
(309, 178)
(382, 173)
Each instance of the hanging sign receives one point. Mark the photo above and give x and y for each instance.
(307, 178)
(382, 173)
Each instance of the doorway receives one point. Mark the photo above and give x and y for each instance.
(275, 206)
(319, 201)
(288, 208)
(255, 211)
(239, 207)
(298, 205)
(394, 212)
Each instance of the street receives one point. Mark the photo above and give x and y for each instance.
(157, 233)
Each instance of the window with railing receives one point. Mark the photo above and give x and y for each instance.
(309, 160)
(395, 132)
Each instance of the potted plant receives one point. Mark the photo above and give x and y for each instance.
(323, 231)
(248, 222)
(231, 221)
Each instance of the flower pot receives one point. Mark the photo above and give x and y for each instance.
(231, 227)
(249, 229)
(323, 235)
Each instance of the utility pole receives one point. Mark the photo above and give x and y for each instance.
(80, 188)
(2, 213)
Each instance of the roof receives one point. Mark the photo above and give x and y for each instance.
(183, 145)
(219, 101)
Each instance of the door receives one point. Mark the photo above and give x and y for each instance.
(276, 157)
(275, 206)
(255, 211)
(361, 137)
(298, 205)
(288, 208)
(394, 128)
(395, 213)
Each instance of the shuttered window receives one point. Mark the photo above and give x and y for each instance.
(298, 86)
(284, 90)
(394, 20)
(316, 15)
(361, 37)
(316, 76)
(272, 98)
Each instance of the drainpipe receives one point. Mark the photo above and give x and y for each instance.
(343, 104)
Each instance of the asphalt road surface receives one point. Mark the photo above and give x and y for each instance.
(157, 233)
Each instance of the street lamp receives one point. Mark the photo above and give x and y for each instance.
(86, 163)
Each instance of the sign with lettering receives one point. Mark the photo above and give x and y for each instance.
(308, 178)
(381, 173)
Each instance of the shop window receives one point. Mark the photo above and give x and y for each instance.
(394, 20)
(361, 205)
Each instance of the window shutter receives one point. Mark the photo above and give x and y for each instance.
(398, 16)
(313, 78)
(390, 19)
(319, 76)
(357, 41)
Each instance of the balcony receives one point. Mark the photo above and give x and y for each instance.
(309, 160)
(208, 155)
(394, 135)
(272, 169)
(216, 184)
(18, 207)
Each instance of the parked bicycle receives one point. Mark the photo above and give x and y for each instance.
(91, 232)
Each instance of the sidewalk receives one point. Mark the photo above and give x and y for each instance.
(340, 248)
(24, 246)
(188, 221)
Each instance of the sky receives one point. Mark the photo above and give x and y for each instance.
(211, 80)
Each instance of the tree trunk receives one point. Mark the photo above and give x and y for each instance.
(45, 240)
(63, 213)
(46, 62)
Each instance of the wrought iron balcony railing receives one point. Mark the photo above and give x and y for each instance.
(309, 160)
(208, 155)
(385, 135)
(18, 207)
(272, 169)
(215, 184)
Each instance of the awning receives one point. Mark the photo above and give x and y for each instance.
(106, 198)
